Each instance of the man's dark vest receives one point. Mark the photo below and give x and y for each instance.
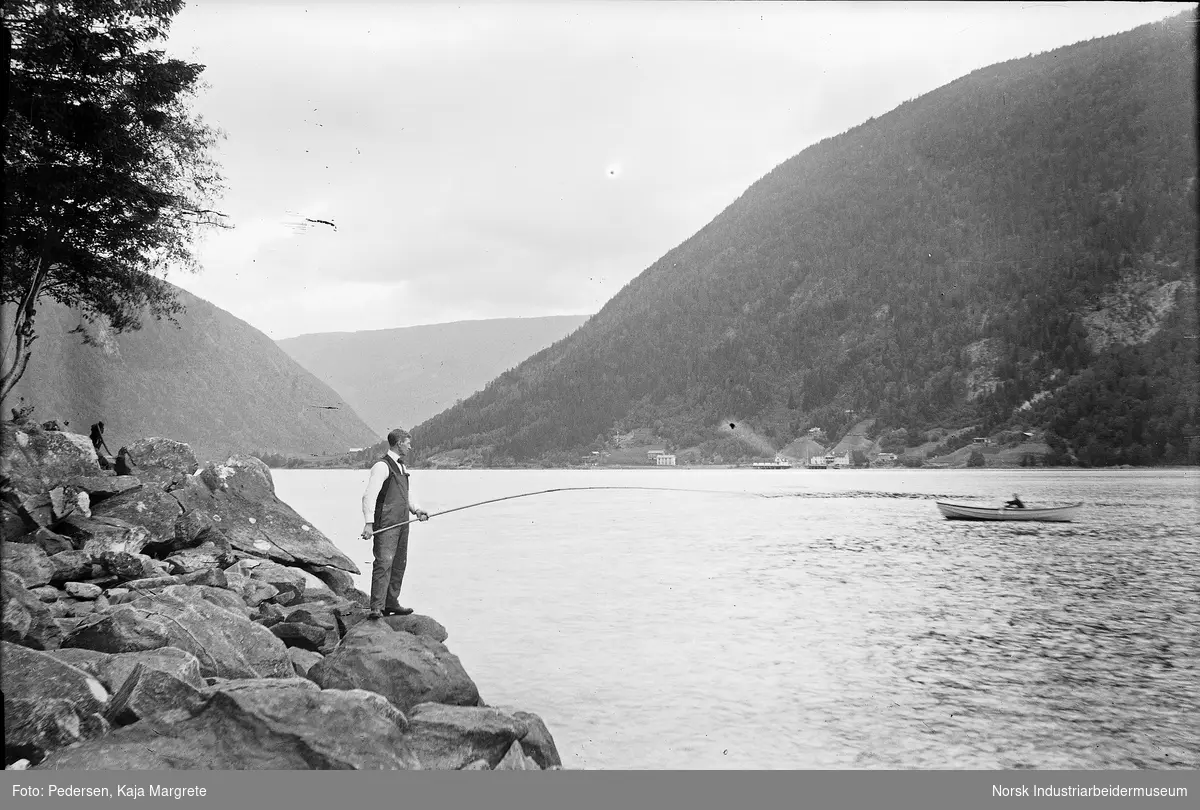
(392, 504)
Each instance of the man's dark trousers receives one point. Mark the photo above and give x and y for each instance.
(387, 572)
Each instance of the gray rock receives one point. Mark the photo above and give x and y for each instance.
(538, 744)
(100, 487)
(114, 670)
(516, 760)
(451, 737)
(293, 634)
(99, 534)
(165, 456)
(255, 726)
(83, 590)
(46, 593)
(148, 692)
(206, 556)
(228, 645)
(404, 668)
(303, 660)
(218, 596)
(211, 577)
(148, 507)
(49, 542)
(28, 562)
(129, 566)
(47, 704)
(239, 496)
(338, 581)
(418, 625)
(37, 460)
(71, 565)
(25, 619)
(150, 583)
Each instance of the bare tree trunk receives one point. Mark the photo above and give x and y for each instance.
(18, 344)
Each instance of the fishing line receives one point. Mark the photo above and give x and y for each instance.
(557, 489)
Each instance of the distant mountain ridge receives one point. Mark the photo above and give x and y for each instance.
(400, 377)
(1014, 249)
(214, 382)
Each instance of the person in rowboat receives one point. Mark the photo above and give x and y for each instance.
(387, 501)
(1015, 503)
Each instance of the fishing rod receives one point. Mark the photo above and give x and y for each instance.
(542, 492)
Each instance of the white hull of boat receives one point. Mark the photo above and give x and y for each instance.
(1058, 514)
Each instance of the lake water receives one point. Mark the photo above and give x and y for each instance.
(811, 619)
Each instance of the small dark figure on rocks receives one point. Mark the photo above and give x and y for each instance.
(124, 464)
(1015, 503)
(386, 502)
(97, 437)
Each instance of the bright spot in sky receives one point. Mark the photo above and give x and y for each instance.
(613, 171)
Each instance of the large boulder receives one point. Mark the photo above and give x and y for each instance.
(161, 462)
(418, 625)
(25, 619)
(47, 704)
(227, 644)
(113, 670)
(538, 744)
(28, 562)
(452, 737)
(99, 534)
(36, 460)
(238, 495)
(256, 725)
(148, 507)
(406, 669)
(148, 692)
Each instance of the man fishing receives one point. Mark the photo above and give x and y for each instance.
(388, 501)
(1015, 503)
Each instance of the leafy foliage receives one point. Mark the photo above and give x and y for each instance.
(931, 267)
(107, 173)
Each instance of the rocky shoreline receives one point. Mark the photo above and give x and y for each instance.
(183, 617)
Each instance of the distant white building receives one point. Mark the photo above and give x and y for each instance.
(665, 459)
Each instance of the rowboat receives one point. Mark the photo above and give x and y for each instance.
(1059, 514)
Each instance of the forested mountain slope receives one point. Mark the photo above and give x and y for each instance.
(213, 381)
(1017, 246)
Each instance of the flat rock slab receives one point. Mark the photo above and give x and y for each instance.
(227, 644)
(287, 725)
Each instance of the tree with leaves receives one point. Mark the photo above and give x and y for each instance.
(108, 173)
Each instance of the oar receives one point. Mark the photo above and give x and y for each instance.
(526, 495)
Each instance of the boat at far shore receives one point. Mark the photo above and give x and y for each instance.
(780, 463)
(1058, 514)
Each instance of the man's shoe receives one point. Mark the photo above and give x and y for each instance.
(374, 614)
(397, 611)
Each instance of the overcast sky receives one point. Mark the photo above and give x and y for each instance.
(495, 159)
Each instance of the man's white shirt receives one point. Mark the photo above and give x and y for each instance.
(379, 474)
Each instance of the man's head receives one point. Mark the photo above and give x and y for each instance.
(399, 442)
